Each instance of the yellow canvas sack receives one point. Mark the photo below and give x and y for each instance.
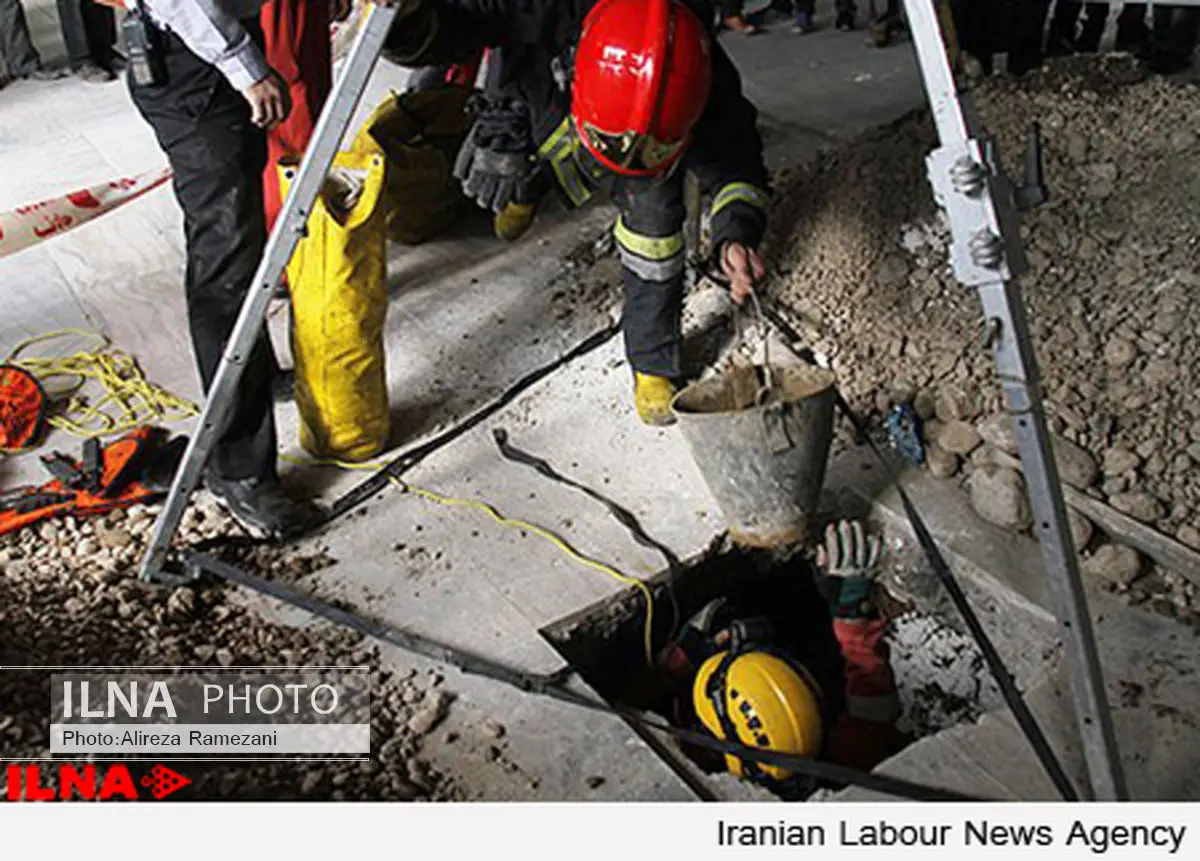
(338, 282)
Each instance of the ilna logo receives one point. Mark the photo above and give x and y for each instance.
(88, 783)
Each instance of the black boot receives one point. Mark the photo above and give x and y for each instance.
(261, 505)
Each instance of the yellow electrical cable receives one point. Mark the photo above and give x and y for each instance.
(129, 401)
(541, 532)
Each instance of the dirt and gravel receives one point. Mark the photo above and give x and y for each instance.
(1111, 297)
(69, 597)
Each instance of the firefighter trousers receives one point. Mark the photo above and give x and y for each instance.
(649, 237)
(217, 155)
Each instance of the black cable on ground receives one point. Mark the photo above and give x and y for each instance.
(397, 466)
(552, 686)
(621, 514)
(1008, 687)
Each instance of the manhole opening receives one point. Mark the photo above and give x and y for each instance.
(606, 641)
(938, 687)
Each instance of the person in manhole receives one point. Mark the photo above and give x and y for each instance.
(780, 669)
(627, 93)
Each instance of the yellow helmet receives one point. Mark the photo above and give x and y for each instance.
(767, 701)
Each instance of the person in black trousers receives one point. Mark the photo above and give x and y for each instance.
(211, 124)
(1069, 34)
(801, 12)
(90, 32)
(1172, 41)
(19, 60)
(1132, 31)
(1026, 26)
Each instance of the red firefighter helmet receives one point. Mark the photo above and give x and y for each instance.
(642, 77)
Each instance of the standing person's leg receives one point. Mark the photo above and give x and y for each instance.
(71, 18)
(1095, 20)
(217, 156)
(783, 8)
(100, 22)
(650, 242)
(1028, 24)
(1173, 38)
(299, 48)
(847, 11)
(975, 33)
(1132, 30)
(803, 22)
(16, 48)
(1064, 21)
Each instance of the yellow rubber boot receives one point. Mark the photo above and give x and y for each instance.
(511, 222)
(652, 399)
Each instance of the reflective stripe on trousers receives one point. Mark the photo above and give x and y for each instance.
(652, 258)
(649, 235)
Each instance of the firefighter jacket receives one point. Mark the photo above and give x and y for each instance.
(534, 41)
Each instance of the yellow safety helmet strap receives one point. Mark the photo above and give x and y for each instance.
(716, 690)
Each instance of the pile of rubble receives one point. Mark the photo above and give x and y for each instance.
(69, 596)
(1111, 292)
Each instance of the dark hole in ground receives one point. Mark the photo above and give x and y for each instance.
(606, 642)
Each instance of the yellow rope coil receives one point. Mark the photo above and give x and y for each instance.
(129, 400)
(513, 523)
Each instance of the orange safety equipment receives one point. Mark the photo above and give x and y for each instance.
(135, 468)
(22, 408)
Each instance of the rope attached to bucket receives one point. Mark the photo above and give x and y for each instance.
(769, 384)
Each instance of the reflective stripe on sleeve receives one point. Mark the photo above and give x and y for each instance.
(739, 191)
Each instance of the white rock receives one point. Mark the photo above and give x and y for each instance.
(998, 495)
(1076, 466)
(997, 430)
(1115, 564)
(958, 437)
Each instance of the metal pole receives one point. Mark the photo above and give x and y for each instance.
(289, 227)
(987, 255)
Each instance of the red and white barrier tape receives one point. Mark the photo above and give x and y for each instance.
(27, 225)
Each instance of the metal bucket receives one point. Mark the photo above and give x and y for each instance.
(763, 461)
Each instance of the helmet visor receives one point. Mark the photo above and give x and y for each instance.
(630, 152)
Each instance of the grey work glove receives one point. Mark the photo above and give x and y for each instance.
(491, 179)
(494, 162)
(847, 565)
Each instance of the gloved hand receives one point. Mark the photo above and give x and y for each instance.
(494, 162)
(847, 565)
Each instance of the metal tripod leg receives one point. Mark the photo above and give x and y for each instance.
(289, 227)
(987, 255)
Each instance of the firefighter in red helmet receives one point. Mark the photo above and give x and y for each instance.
(620, 94)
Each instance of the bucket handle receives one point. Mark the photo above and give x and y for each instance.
(760, 319)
